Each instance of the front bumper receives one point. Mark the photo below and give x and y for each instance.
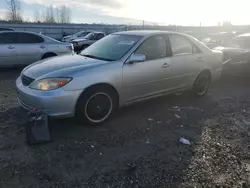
(57, 102)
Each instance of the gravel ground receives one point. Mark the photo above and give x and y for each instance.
(138, 147)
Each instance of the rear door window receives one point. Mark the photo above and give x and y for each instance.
(29, 38)
(180, 45)
(8, 38)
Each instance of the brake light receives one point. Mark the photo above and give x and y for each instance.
(70, 47)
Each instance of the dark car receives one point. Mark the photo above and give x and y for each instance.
(82, 43)
(238, 49)
(218, 39)
(237, 53)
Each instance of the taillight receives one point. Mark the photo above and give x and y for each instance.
(70, 47)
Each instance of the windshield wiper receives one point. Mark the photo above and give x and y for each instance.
(95, 57)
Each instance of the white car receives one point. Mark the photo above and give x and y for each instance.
(23, 48)
(80, 34)
(120, 69)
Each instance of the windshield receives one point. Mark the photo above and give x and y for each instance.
(78, 33)
(89, 36)
(112, 48)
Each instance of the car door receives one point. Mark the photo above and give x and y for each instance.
(148, 78)
(30, 48)
(8, 49)
(184, 61)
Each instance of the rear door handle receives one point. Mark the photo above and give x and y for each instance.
(165, 65)
(42, 46)
(200, 59)
(11, 47)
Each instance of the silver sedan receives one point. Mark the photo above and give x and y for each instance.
(118, 70)
(23, 48)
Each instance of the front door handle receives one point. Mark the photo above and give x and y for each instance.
(11, 47)
(165, 65)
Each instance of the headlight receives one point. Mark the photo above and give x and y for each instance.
(49, 83)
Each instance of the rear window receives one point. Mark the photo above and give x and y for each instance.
(29, 38)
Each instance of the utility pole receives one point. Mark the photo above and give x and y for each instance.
(143, 24)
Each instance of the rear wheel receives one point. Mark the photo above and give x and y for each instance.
(201, 84)
(96, 105)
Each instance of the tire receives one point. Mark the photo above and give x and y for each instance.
(96, 105)
(45, 56)
(201, 84)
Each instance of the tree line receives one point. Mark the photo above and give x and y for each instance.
(49, 14)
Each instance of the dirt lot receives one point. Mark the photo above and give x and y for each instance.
(138, 147)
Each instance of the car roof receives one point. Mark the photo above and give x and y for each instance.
(6, 29)
(19, 32)
(244, 35)
(145, 32)
(96, 32)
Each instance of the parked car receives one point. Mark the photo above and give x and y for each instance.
(120, 69)
(6, 29)
(82, 43)
(218, 39)
(69, 38)
(237, 54)
(23, 48)
(238, 49)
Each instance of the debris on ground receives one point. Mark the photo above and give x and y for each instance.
(185, 141)
(219, 155)
(177, 116)
(178, 109)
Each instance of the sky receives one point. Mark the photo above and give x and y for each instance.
(171, 12)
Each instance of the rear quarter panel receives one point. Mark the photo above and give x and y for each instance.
(213, 60)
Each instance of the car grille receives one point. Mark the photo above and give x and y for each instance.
(26, 80)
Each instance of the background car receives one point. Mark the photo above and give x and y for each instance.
(23, 48)
(238, 49)
(69, 38)
(237, 54)
(118, 70)
(218, 39)
(6, 29)
(82, 43)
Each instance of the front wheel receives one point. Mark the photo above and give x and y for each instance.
(201, 84)
(95, 106)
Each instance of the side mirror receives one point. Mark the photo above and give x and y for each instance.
(136, 58)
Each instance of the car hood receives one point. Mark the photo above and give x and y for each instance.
(60, 66)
